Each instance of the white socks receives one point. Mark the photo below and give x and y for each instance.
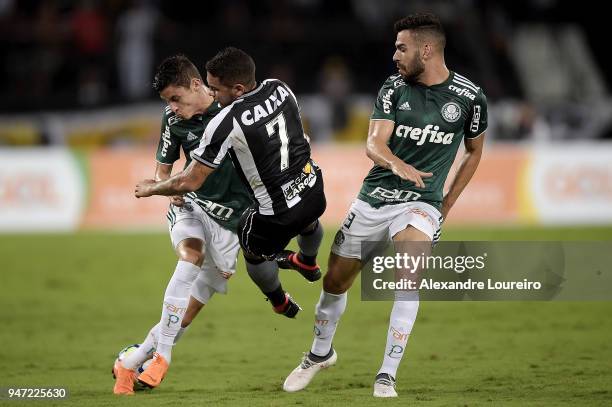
(143, 352)
(402, 319)
(176, 300)
(150, 343)
(328, 312)
(147, 347)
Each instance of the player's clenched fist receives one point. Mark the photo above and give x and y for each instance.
(143, 188)
(177, 200)
(408, 172)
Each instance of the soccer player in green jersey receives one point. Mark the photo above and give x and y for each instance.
(421, 116)
(202, 223)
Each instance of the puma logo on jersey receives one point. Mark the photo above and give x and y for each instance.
(429, 133)
(258, 112)
(191, 136)
(404, 106)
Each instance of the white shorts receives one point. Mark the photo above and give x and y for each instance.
(365, 223)
(221, 246)
(208, 282)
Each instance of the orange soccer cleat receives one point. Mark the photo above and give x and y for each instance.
(155, 372)
(124, 379)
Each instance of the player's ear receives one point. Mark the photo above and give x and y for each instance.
(427, 51)
(239, 89)
(196, 84)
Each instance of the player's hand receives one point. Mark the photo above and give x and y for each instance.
(409, 173)
(226, 274)
(177, 200)
(143, 188)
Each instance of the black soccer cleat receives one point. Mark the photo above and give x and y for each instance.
(289, 260)
(289, 308)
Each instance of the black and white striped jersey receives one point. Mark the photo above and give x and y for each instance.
(263, 133)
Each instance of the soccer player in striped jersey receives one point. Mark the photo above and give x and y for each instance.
(420, 118)
(202, 223)
(261, 128)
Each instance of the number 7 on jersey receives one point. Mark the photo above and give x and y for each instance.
(284, 139)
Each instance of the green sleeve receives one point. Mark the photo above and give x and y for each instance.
(169, 147)
(476, 124)
(385, 105)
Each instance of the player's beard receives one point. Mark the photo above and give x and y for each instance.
(414, 70)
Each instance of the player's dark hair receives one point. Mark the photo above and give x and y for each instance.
(176, 70)
(232, 66)
(422, 24)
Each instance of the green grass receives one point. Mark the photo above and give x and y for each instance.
(70, 302)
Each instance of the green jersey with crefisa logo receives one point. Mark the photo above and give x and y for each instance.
(223, 195)
(430, 123)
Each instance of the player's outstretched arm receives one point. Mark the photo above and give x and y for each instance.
(467, 168)
(190, 179)
(378, 151)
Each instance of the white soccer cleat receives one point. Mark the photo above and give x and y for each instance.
(299, 378)
(384, 386)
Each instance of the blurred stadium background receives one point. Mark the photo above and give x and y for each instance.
(79, 119)
(79, 124)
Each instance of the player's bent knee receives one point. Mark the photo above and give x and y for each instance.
(252, 258)
(310, 228)
(337, 281)
(192, 257)
(190, 250)
(340, 274)
(411, 234)
(334, 285)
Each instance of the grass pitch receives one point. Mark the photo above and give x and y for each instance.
(69, 303)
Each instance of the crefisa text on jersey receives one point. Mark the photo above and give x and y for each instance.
(462, 92)
(166, 140)
(420, 135)
(257, 112)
